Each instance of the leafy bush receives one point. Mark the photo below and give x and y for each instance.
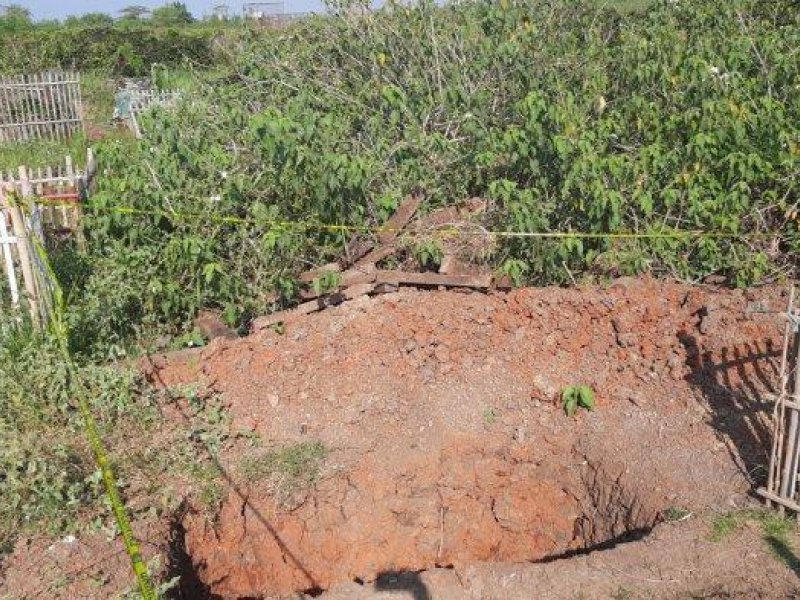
(569, 116)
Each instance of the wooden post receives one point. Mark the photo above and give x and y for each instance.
(83, 187)
(23, 249)
(67, 213)
(779, 411)
(8, 259)
(792, 445)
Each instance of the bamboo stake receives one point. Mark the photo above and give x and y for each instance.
(779, 411)
(789, 454)
(793, 457)
(23, 249)
(79, 102)
(49, 107)
(47, 210)
(82, 187)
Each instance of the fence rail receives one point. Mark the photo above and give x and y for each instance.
(40, 106)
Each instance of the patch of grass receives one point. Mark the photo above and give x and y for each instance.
(772, 524)
(675, 513)
(211, 495)
(489, 415)
(42, 153)
(723, 526)
(290, 471)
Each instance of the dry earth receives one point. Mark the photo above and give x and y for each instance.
(450, 471)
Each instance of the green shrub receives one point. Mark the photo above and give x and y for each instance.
(568, 116)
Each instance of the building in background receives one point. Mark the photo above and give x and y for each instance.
(264, 11)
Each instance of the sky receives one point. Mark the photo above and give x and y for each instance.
(58, 9)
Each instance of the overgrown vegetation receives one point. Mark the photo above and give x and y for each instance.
(568, 116)
(98, 43)
(49, 481)
(47, 473)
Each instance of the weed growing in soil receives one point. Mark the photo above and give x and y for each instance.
(723, 526)
(577, 396)
(289, 471)
(675, 513)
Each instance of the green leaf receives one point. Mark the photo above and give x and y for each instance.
(585, 397)
(569, 398)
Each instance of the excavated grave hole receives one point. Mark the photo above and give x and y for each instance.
(271, 553)
(446, 443)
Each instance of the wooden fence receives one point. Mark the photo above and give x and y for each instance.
(38, 210)
(130, 103)
(40, 106)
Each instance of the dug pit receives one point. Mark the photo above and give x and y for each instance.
(419, 430)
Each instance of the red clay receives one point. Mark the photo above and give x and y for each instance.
(447, 446)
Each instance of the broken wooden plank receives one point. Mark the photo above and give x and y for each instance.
(360, 289)
(434, 279)
(384, 288)
(357, 275)
(401, 217)
(355, 250)
(307, 308)
(312, 274)
(351, 277)
(287, 316)
(376, 255)
(358, 252)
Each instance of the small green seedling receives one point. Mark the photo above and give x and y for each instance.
(577, 396)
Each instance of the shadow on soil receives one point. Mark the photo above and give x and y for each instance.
(404, 582)
(735, 387)
(784, 553)
(634, 535)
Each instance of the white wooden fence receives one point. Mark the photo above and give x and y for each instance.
(40, 106)
(144, 100)
(131, 102)
(37, 210)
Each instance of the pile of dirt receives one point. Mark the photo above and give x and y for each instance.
(446, 444)
(446, 466)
